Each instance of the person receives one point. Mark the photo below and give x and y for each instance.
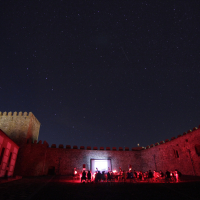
(83, 176)
(108, 177)
(167, 176)
(135, 174)
(124, 176)
(89, 176)
(131, 175)
(103, 176)
(128, 175)
(141, 176)
(150, 175)
(161, 174)
(99, 176)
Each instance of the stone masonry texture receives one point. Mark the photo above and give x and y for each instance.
(36, 158)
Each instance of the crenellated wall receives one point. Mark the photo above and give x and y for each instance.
(181, 153)
(37, 158)
(8, 155)
(20, 126)
(66, 159)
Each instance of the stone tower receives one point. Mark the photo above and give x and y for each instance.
(20, 127)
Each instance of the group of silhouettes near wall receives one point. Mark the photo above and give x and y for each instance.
(135, 176)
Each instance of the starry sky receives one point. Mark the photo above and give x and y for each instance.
(102, 73)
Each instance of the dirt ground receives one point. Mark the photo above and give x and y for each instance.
(61, 187)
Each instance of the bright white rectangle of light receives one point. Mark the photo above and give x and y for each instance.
(100, 165)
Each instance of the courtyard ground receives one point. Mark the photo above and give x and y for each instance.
(62, 187)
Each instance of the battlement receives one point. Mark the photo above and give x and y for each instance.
(20, 126)
(15, 114)
(26, 115)
(61, 146)
(173, 138)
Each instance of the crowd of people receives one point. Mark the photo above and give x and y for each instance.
(132, 176)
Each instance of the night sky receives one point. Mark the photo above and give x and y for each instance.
(102, 73)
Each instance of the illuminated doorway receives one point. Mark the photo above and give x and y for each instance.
(101, 165)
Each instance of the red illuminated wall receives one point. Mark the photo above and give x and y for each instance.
(65, 160)
(182, 153)
(8, 155)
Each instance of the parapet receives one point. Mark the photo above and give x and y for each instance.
(138, 148)
(120, 148)
(29, 141)
(68, 146)
(53, 146)
(173, 138)
(179, 136)
(126, 149)
(82, 147)
(101, 148)
(25, 114)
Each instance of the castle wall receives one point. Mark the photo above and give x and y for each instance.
(65, 160)
(180, 153)
(34, 159)
(8, 155)
(19, 126)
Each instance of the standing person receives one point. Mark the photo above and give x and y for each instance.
(167, 176)
(108, 177)
(176, 175)
(124, 176)
(135, 176)
(103, 176)
(99, 176)
(83, 176)
(141, 176)
(131, 176)
(150, 176)
(89, 176)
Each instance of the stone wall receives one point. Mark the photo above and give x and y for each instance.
(181, 153)
(20, 126)
(65, 160)
(8, 155)
(34, 159)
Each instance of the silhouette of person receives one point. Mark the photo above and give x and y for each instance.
(99, 176)
(83, 176)
(167, 176)
(89, 176)
(108, 177)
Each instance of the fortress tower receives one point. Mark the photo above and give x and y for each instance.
(20, 127)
